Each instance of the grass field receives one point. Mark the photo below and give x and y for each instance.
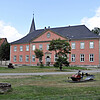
(32, 69)
(50, 87)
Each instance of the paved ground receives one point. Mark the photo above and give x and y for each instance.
(49, 73)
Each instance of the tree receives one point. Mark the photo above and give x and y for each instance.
(61, 48)
(39, 55)
(5, 52)
(96, 30)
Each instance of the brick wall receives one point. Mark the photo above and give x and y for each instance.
(86, 51)
(45, 40)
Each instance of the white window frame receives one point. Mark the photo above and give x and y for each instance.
(20, 58)
(82, 57)
(21, 48)
(82, 45)
(73, 45)
(15, 58)
(27, 47)
(27, 58)
(40, 46)
(48, 46)
(91, 44)
(15, 48)
(55, 57)
(33, 57)
(73, 57)
(33, 47)
(91, 56)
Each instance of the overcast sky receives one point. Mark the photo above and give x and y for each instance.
(16, 15)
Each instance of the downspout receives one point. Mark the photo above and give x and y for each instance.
(30, 54)
(99, 53)
(10, 53)
(69, 39)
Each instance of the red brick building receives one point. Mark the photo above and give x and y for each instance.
(85, 45)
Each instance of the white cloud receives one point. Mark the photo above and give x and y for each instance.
(93, 21)
(9, 32)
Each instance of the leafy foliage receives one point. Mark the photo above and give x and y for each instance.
(39, 54)
(5, 52)
(96, 30)
(61, 48)
(61, 60)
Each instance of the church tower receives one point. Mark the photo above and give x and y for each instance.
(32, 26)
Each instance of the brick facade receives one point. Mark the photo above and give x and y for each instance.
(41, 40)
(86, 51)
(44, 41)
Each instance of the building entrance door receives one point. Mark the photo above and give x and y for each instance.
(47, 58)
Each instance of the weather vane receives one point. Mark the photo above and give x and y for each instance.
(33, 13)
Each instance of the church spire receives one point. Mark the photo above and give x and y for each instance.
(32, 26)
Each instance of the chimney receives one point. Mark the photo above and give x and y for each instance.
(48, 27)
(45, 28)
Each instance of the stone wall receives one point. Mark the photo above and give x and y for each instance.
(4, 63)
(5, 87)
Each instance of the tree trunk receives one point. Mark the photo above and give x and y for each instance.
(5, 62)
(1, 62)
(60, 67)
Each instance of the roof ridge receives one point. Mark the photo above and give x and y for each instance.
(58, 27)
(67, 26)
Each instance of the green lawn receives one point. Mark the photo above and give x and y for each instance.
(50, 87)
(32, 69)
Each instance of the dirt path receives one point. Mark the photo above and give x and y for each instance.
(49, 73)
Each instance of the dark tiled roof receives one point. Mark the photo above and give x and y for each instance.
(75, 32)
(28, 37)
(71, 32)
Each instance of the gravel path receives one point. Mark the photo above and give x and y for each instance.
(49, 73)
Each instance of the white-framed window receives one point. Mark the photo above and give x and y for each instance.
(15, 58)
(27, 47)
(47, 46)
(55, 57)
(20, 58)
(15, 48)
(82, 45)
(91, 45)
(33, 58)
(82, 57)
(27, 58)
(21, 48)
(33, 47)
(73, 45)
(41, 47)
(73, 57)
(91, 57)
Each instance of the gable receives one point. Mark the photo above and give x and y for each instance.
(71, 32)
(48, 36)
